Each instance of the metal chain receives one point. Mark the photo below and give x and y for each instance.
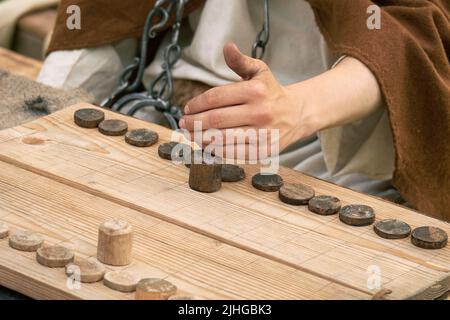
(259, 46)
(161, 88)
(161, 15)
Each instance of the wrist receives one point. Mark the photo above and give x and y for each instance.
(309, 119)
(342, 95)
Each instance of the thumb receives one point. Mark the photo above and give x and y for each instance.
(243, 65)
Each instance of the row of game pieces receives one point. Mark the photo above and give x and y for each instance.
(115, 239)
(426, 237)
(208, 177)
(94, 118)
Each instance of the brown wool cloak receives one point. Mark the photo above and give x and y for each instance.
(409, 56)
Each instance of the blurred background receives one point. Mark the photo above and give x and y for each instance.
(26, 25)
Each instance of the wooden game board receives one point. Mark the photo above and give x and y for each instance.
(239, 243)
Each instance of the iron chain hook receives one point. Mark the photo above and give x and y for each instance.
(160, 90)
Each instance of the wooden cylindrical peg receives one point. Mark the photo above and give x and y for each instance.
(205, 174)
(154, 289)
(115, 241)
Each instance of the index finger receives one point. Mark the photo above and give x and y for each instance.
(218, 97)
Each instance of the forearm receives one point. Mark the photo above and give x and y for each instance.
(344, 94)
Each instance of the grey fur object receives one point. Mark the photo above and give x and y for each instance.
(23, 100)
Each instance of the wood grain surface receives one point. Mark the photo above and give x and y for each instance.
(19, 64)
(63, 181)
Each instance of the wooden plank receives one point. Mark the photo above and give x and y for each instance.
(19, 64)
(238, 215)
(198, 265)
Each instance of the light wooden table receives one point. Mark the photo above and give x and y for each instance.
(239, 243)
(19, 64)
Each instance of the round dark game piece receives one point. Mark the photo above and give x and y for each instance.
(113, 127)
(232, 173)
(141, 137)
(296, 194)
(267, 182)
(165, 150)
(357, 215)
(429, 238)
(324, 205)
(88, 118)
(392, 229)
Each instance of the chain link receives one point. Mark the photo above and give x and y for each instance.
(259, 46)
(160, 90)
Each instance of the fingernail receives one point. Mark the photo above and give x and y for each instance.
(182, 124)
(186, 109)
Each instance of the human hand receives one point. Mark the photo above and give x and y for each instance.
(257, 102)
